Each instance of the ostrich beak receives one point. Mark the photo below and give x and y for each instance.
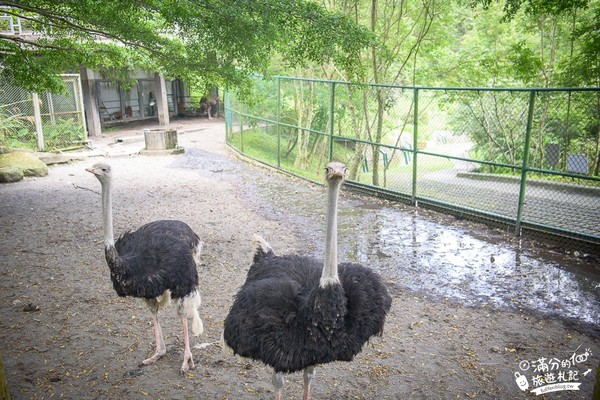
(92, 170)
(99, 169)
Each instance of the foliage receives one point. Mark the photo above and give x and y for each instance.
(534, 7)
(65, 132)
(541, 43)
(584, 68)
(467, 43)
(14, 131)
(18, 133)
(494, 121)
(218, 42)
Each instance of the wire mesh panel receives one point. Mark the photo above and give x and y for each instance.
(374, 134)
(471, 142)
(304, 110)
(259, 140)
(526, 158)
(565, 132)
(572, 207)
(61, 120)
(61, 115)
(17, 125)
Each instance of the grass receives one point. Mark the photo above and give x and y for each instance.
(262, 145)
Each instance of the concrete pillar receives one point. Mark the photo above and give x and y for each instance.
(162, 105)
(90, 103)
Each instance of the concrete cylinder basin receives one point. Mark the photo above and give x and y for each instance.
(161, 141)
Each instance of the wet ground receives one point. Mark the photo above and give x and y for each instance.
(434, 254)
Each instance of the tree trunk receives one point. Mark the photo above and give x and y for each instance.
(378, 135)
(304, 114)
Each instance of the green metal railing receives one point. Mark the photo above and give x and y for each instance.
(523, 158)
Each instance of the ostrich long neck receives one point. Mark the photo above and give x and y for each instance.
(330, 267)
(109, 241)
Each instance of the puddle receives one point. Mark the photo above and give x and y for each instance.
(445, 261)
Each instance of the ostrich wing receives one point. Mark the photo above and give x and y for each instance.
(150, 264)
(368, 302)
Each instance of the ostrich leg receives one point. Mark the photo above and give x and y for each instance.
(161, 349)
(309, 375)
(278, 383)
(188, 362)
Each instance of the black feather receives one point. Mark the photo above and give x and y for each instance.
(282, 317)
(156, 257)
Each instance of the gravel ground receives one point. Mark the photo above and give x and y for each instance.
(64, 333)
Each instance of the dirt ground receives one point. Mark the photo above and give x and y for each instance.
(64, 333)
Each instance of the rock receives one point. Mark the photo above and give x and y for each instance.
(134, 373)
(29, 164)
(10, 174)
(31, 308)
(53, 158)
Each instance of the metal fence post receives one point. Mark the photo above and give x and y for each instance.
(415, 145)
(242, 133)
(525, 167)
(278, 122)
(227, 107)
(331, 120)
(37, 115)
(79, 104)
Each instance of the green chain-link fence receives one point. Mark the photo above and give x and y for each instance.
(523, 158)
(47, 121)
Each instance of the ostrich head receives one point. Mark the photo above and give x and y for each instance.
(335, 170)
(101, 171)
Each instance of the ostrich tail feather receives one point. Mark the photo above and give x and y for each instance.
(262, 248)
(224, 348)
(188, 308)
(197, 326)
(197, 252)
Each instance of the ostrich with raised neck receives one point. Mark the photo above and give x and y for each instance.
(295, 312)
(156, 263)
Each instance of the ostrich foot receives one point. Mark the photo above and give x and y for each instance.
(161, 349)
(188, 362)
(157, 355)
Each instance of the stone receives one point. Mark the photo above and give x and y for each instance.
(27, 162)
(10, 174)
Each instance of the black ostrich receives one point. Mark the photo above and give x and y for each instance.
(157, 262)
(295, 312)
